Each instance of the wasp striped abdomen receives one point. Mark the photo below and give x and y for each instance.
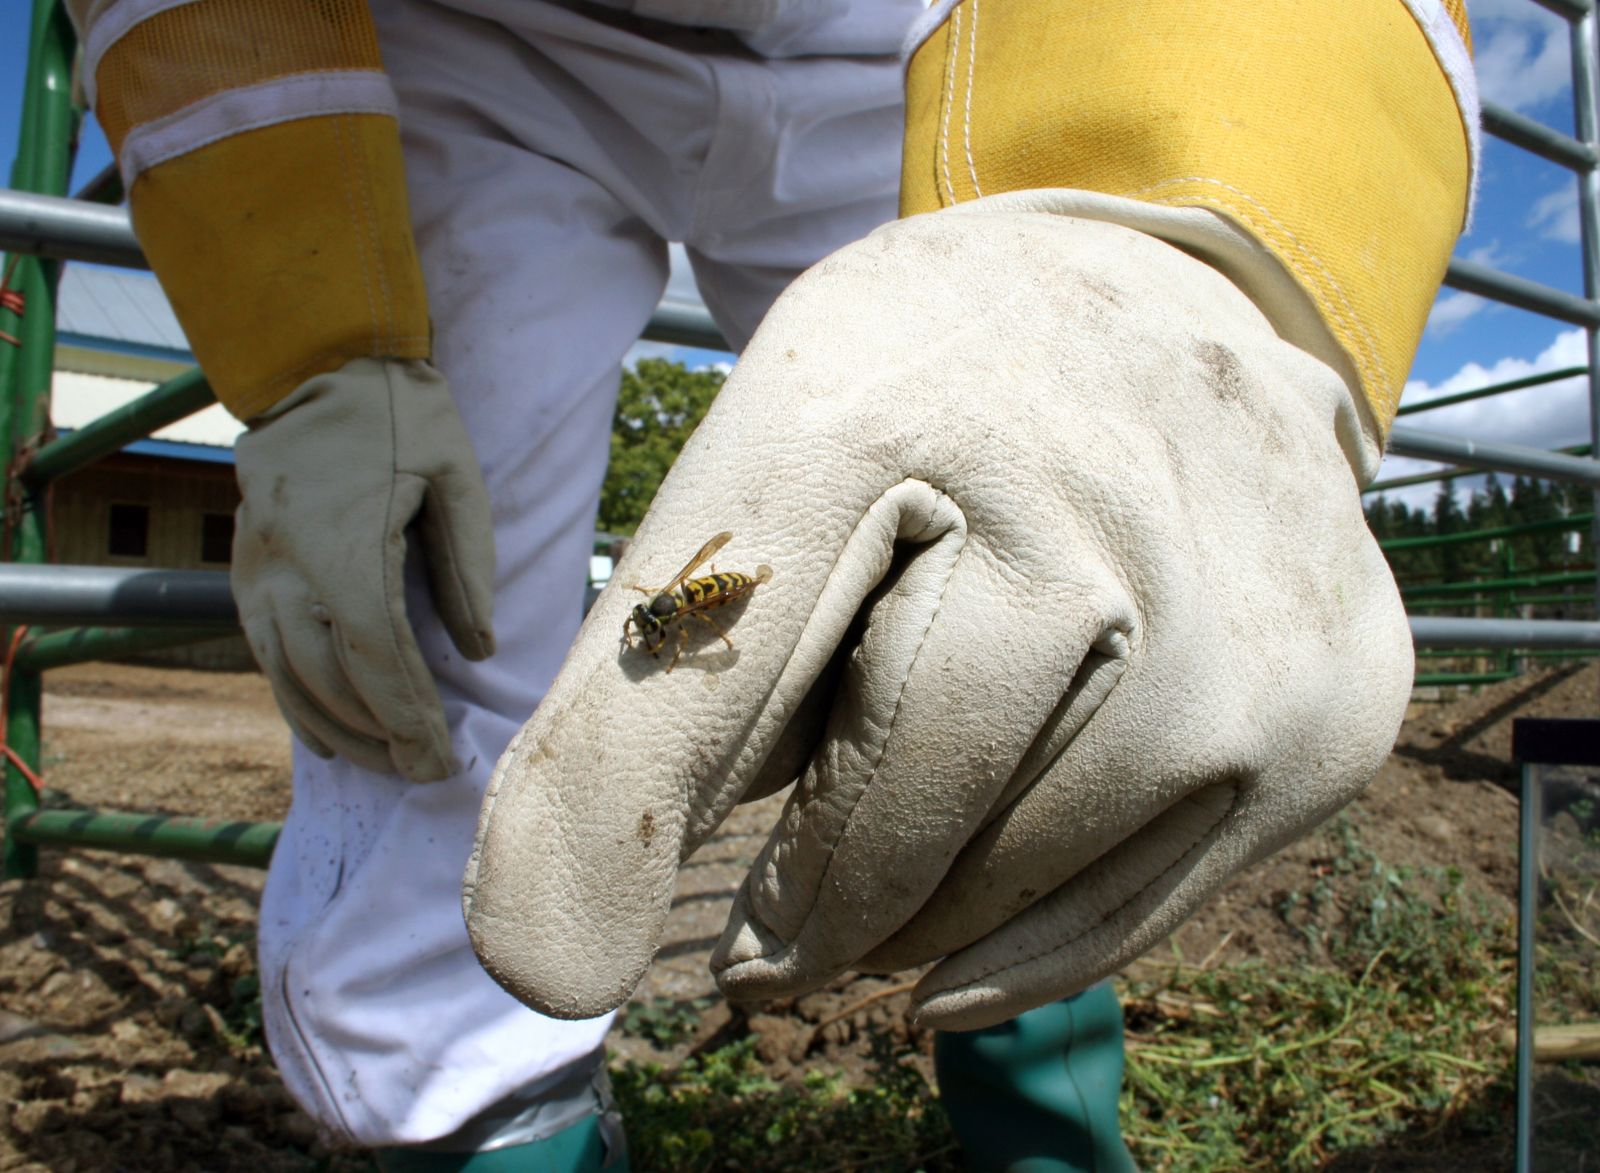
(684, 598)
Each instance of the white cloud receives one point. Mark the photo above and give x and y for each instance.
(1555, 216)
(1451, 310)
(1522, 53)
(1488, 254)
(1551, 415)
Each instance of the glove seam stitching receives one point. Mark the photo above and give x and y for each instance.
(396, 472)
(883, 745)
(1073, 940)
(1271, 227)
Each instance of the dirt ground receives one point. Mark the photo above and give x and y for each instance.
(128, 1038)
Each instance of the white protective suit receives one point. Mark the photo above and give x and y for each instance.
(551, 152)
(550, 156)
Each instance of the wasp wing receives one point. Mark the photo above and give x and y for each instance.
(702, 556)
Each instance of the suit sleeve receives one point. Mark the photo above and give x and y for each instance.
(1337, 142)
(259, 146)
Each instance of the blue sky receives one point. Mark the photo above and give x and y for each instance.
(1526, 224)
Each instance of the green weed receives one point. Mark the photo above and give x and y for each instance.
(1398, 1033)
(663, 1021)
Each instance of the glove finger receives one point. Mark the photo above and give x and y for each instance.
(458, 545)
(1294, 724)
(306, 639)
(307, 719)
(401, 694)
(904, 779)
(987, 884)
(377, 654)
(1099, 921)
(625, 768)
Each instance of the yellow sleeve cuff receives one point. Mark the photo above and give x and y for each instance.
(285, 252)
(259, 146)
(1333, 134)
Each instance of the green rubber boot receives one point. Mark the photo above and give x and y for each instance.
(575, 1149)
(1038, 1094)
(580, 1148)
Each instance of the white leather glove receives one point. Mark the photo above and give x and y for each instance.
(334, 479)
(1074, 614)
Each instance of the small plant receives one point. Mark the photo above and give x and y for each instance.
(1285, 1069)
(721, 1110)
(663, 1021)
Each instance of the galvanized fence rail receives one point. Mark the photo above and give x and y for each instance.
(97, 612)
(1466, 638)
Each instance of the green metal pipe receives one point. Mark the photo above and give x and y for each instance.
(1575, 521)
(1569, 598)
(173, 836)
(180, 396)
(83, 644)
(1488, 584)
(1461, 678)
(43, 165)
(1493, 389)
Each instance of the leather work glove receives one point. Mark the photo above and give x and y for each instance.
(1073, 615)
(335, 478)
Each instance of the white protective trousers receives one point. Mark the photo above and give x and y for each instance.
(552, 151)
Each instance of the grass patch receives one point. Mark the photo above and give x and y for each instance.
(1396, 1038)
(722, 1111)
(1400, 1030)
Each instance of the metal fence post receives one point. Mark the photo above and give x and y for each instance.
(1586, 127)
(44, 165)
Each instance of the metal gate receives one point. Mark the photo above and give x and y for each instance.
(99, 612)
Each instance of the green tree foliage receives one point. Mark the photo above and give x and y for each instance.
(1548, 551)
(658, 408)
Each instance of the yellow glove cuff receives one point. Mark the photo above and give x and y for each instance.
(1343, 139)
(286, 252)
(260, 149)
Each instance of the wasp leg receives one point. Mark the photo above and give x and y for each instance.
(714, 627)
(683, 640)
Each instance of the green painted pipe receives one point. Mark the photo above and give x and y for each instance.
(1461, 678)
(1458, 588)
(80, 645)
(1576, 521)
(43, 165)
(180, 396)
(229, 841)
(1493, 389)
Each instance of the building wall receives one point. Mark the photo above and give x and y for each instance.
(186, 508)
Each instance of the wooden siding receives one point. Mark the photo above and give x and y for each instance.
(178, 494)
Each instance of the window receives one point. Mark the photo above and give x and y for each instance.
(129, 535)
(216, 537)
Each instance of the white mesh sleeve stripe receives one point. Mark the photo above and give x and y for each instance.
(1445, 38)
(301, 95)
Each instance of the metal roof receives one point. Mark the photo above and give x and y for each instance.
(113, 305)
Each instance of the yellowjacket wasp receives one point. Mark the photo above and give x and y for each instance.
(684, 598)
